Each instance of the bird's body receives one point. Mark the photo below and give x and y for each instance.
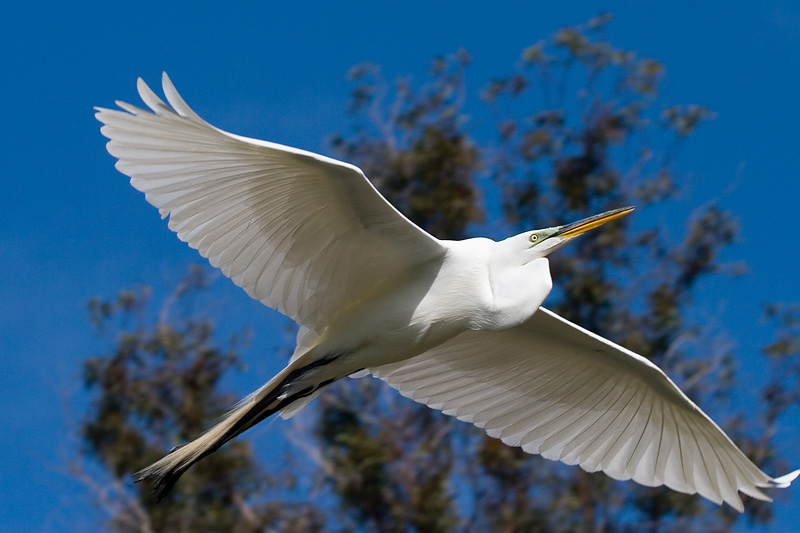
(456, 325)
(429, 305)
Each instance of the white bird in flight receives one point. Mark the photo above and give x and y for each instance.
(456, 325)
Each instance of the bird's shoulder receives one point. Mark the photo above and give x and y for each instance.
(474, 247)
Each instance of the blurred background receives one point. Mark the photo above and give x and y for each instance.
(117, 342)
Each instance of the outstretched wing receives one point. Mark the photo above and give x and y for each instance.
(303, 233)
(558, 390)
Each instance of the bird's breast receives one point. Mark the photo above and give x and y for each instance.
(516, 294)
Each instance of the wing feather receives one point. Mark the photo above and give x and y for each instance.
(303, 233)
(558, 390)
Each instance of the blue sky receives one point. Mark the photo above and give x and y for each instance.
(71, 227)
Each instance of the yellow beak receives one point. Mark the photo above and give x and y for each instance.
(582, 226)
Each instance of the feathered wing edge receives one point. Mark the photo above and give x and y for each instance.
(279, 221)
(557, 390)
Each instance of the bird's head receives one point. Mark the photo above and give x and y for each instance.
(541, 242)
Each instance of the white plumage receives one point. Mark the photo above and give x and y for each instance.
(455, 325)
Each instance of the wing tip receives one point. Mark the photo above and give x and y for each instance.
(152, 100)
(784, 481)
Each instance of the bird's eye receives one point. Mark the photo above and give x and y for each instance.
(534, 237)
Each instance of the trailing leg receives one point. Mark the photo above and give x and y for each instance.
(293, 384)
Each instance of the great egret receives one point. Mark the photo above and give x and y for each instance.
(456, 325)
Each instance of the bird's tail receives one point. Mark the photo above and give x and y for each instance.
(278, 394)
